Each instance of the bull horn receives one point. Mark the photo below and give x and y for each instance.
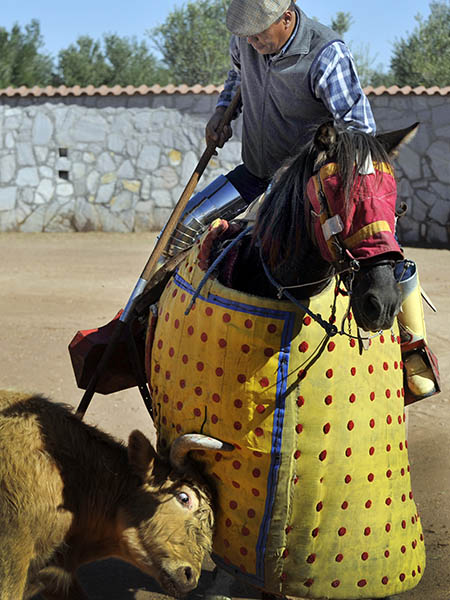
(194, 441)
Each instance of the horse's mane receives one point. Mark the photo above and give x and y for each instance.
(280, 226)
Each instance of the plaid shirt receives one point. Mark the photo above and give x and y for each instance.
(334, 81)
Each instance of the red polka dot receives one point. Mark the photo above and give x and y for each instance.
(362, 583)
(364, 556)
(166, 317)
(402, 577)
(198, 390)
(216, 397)
(385, 366)
(264, 382)
(243, 551)
(371, 451)
(245, 531)
(350, 425)
(342, 531)
(228, 523)
(388, 448)
(178, 429)
(219, 372)
(368, 504)
(387, 553)
(303, 347)
(185, 358)
(197, 412)
(171, 352)
(352, 343)
(370, 477)
(271, 328)
(309, 582)
(388, 501)
(388, 473)
(190, 330)
(285, 553)
(326, 428)
(389, 419)
(160, 344)
(329, 373)
(347, 478)
(248, 323)
(269, 352)
(385, 580)
(255, 492)
(182, 383)
(323, 455)
(307, 320)
(157, 368)
(256, 473)
(372, 423)
(319, 506)
(260, 408)
(257, 454)
(166, 398)
(209, 311)
(331, 346)
(370, 369)
(177, 324)
(237, 425)
(339, 558)
(200, 366)
(259, 432)
(352, 398)
(241, 378)
(403, 549)
(222, 343)
(367, 531)
(315, 532)
(214, 419)
(344, 505)
(167, 375)
(372, 396)
(311, 558)
(226, 318)
(353, 371)
(236, 464)
(245, 348)
(236, 484)
(328, 400)
(297, 454)
(388, 393)
(403, 524)
(251, 514)
(348, 452)
(300, 401)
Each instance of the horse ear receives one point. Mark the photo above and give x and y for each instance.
(392, 140)
(326, 136)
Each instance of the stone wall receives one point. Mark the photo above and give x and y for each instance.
(120, 163)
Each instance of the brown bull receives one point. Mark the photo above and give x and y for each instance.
(70, 494)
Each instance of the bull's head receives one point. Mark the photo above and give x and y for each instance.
(168, 520)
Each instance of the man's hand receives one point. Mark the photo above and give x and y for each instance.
(211, 129)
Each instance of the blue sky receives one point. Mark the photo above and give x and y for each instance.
(376, 24)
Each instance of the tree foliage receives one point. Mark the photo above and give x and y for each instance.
(118, 61)
(341, 23)
(424, 57)
(194, 42)
(21, 62)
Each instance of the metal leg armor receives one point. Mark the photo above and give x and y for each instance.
(219, 199)
(422, 376)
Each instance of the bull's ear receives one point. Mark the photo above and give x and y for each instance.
(392, 140)
(141, 454)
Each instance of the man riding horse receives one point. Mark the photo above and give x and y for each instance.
(293, 73)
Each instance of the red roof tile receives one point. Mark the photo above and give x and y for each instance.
(144, 90)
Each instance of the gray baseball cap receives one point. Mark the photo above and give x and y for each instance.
(250, 17)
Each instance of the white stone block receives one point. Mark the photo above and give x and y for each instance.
(149, 157)
(8, 198)
(28, 176)
(42, 129)
(7, 168)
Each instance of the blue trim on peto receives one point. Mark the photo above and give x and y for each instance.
(288, 318)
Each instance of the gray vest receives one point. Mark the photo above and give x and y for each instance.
(279, 110)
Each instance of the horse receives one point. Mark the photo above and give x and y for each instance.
(282, 340)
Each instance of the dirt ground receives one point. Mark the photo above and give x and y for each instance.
(55, 284)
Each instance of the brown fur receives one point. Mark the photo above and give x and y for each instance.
(71, 494)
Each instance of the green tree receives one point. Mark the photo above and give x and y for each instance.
(424, 57)
(341, 23)
(21, 62)
(194, 42)
(117, 61)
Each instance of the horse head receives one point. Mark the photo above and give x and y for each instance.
(331, 209)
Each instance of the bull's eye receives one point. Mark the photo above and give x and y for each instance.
(183, 499)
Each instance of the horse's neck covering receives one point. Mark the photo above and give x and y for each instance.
(367, 222)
